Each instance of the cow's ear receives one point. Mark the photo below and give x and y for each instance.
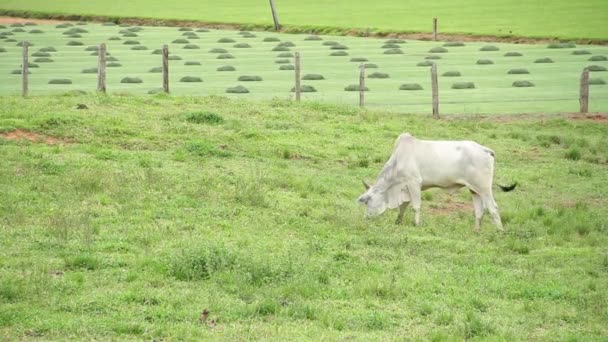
(365, 185)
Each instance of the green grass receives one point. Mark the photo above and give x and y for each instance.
(556, 89)
(586, 19)
(160, 208)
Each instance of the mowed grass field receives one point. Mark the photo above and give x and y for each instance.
(492, 69)
(189, 218)
(560, 19)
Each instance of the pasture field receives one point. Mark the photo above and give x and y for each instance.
(561, 18)
(189, 218)
(493, 69)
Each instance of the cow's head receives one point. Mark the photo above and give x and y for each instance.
(373, 199)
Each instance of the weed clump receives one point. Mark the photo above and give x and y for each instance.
(410, 86)
(191, 47)
(139, 48)
(339, 53)
(35, 54)
(453, 44)
(489, 48)
(181, 41)
(463, 85)
(192, 63)
(567, 45)
(287, 67)
(248, 78)
(282, 61)
(43, 60)
(305, 89)
(358, 59)
(523, 84)
(114, 38)
(313, 77)
(513, 54)
(393, 52)
(60, 81)
(285, 55)
(280, 48)
(89, 71)
(225, 56)
(438, 49)
(218, 50)
(242, 46)
(226, 68)
(424, 64)
(287, 44)
(157, 52)
(131, 80)
(330, 43)
(338, 47)
(130, 34)
(131, 42)
(484, 62)
(378, 75)
(226, 40)
(202, 30)
(313, 37)
(573, 153)
(156, 70)
(518, 71)
(370, 66)
(390, 46)
(451, 74)
(354, 87)
(596, 68)
(36, 31)
(190, 79)
(205, 118)
(544, 60)
(581, 52)
(271, 39)
(432, 57)
(598, 58)
(237, 90)
(596, 81)
(174, 58)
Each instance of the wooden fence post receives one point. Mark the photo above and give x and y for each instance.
(101, 69)
(435, 29)
(362, 85)
(435, 88)
(275, 17)
(297, 88)
(584, 91)
(25, 68)
(166, 69)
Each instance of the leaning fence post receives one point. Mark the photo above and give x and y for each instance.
(101, 69)
(25, 68)
(165, 68)
(297, 69)
(435, 89)
(275, 16)
(584, 91)
(434, 28)
(362, 85)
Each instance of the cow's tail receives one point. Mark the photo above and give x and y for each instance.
(505, 188)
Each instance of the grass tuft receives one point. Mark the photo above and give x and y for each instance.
(513, 54)
(226, 68)
(463, 85)
(131, 80)
(390, 46)
(596, 81)
(378, 75)
(113, 65)
(114, 38)
(282, 61)
(519, 71)
(393, 52)
(139, 48)
(544, 60)
(237, 90)
(174, 58)
(330, 43)
(433, 57)
(60, 81)
(242, 46)
(43, 60)
(313, 77)
(191, 47)
(573, 153)
(354, 87)
(339, 53)
(452, 74)
(424, 64)
(36, 31)
(89, 71)
(287, 67)
(438, 49)
(271, 39)
(358, 59)
(567, 45)
(484, 62)
(156, 70)
(226, 40)
(453, 44)
(313, 37)
(249, 78)
(131, 42)
(339, 47)
(209, 118)
(581, 52)
(218, 50)
(489, 48)
(190, 79)
(181, 41)
(410, 86)
(370, 66)
(305, 89)
(598, 58)
(192, 63)
(522, 84)
(280, 48)
(35, 54)
(225, 56)
(596, 68)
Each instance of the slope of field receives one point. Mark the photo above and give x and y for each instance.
(200, 54)
(562, 19)
(192, 218)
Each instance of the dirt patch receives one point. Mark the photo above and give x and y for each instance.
(595, 117)
(449, 207)
(20, 134)
(13, 20)
(507, 118)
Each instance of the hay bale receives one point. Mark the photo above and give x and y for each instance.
(225, 56)
(131, 42)
(591, 68)
(305, 89)
(218, 50)
(354, 87)
(370, 66)
(131, 80)
(226, 68)
(285, 55)
(313, 77)
(313, 37)
(410, 86)
(237, 90)
(174, 58)
(113, 65)
(36, 31)
(189, 79)
(226, 40)
(60, 81)
(339, 53)
(202, 30)
(155, 91)
(598, 58)
(453, 44)
(432, 57)
(519, 71)
(393, 52)
(523, 84)
(157, 52)
(390, 46)
(596, 81)
(489, 48)
(463, 85)
(566, 45)
(191, 47)
(339, 47)
(181, 41)
(438, 49)
(156, 70)
(544, 60)
(451, 74)
(581, 52)
(89, 71)
(35, 54)
(330, 43)
(287, 67)
(43, 60)
(114, 38)
(242, 46)
(192, 63)
(249, 78)
(378, 75)
(287, 44)
(513, 54)
(425, 64)
(484, 62)
(280, 48)
(139, 47)
(271, 39)
(395, 41)
(282, 61)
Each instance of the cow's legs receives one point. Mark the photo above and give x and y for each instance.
(402, 208)
(414, 190)
(478, 204)
(490, 204)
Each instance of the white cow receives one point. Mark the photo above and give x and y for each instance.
(417, 165)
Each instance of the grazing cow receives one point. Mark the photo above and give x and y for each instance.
(417, 165)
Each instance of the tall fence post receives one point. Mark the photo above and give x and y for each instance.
(297, 69)
(101, 69)
(362, 85)
(584, 91)
(166, 69)
(25, 68)
(275, 17)
(435, 89)
(435, 29)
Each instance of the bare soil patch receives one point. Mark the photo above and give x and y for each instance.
(13, 20)
(20, 134)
